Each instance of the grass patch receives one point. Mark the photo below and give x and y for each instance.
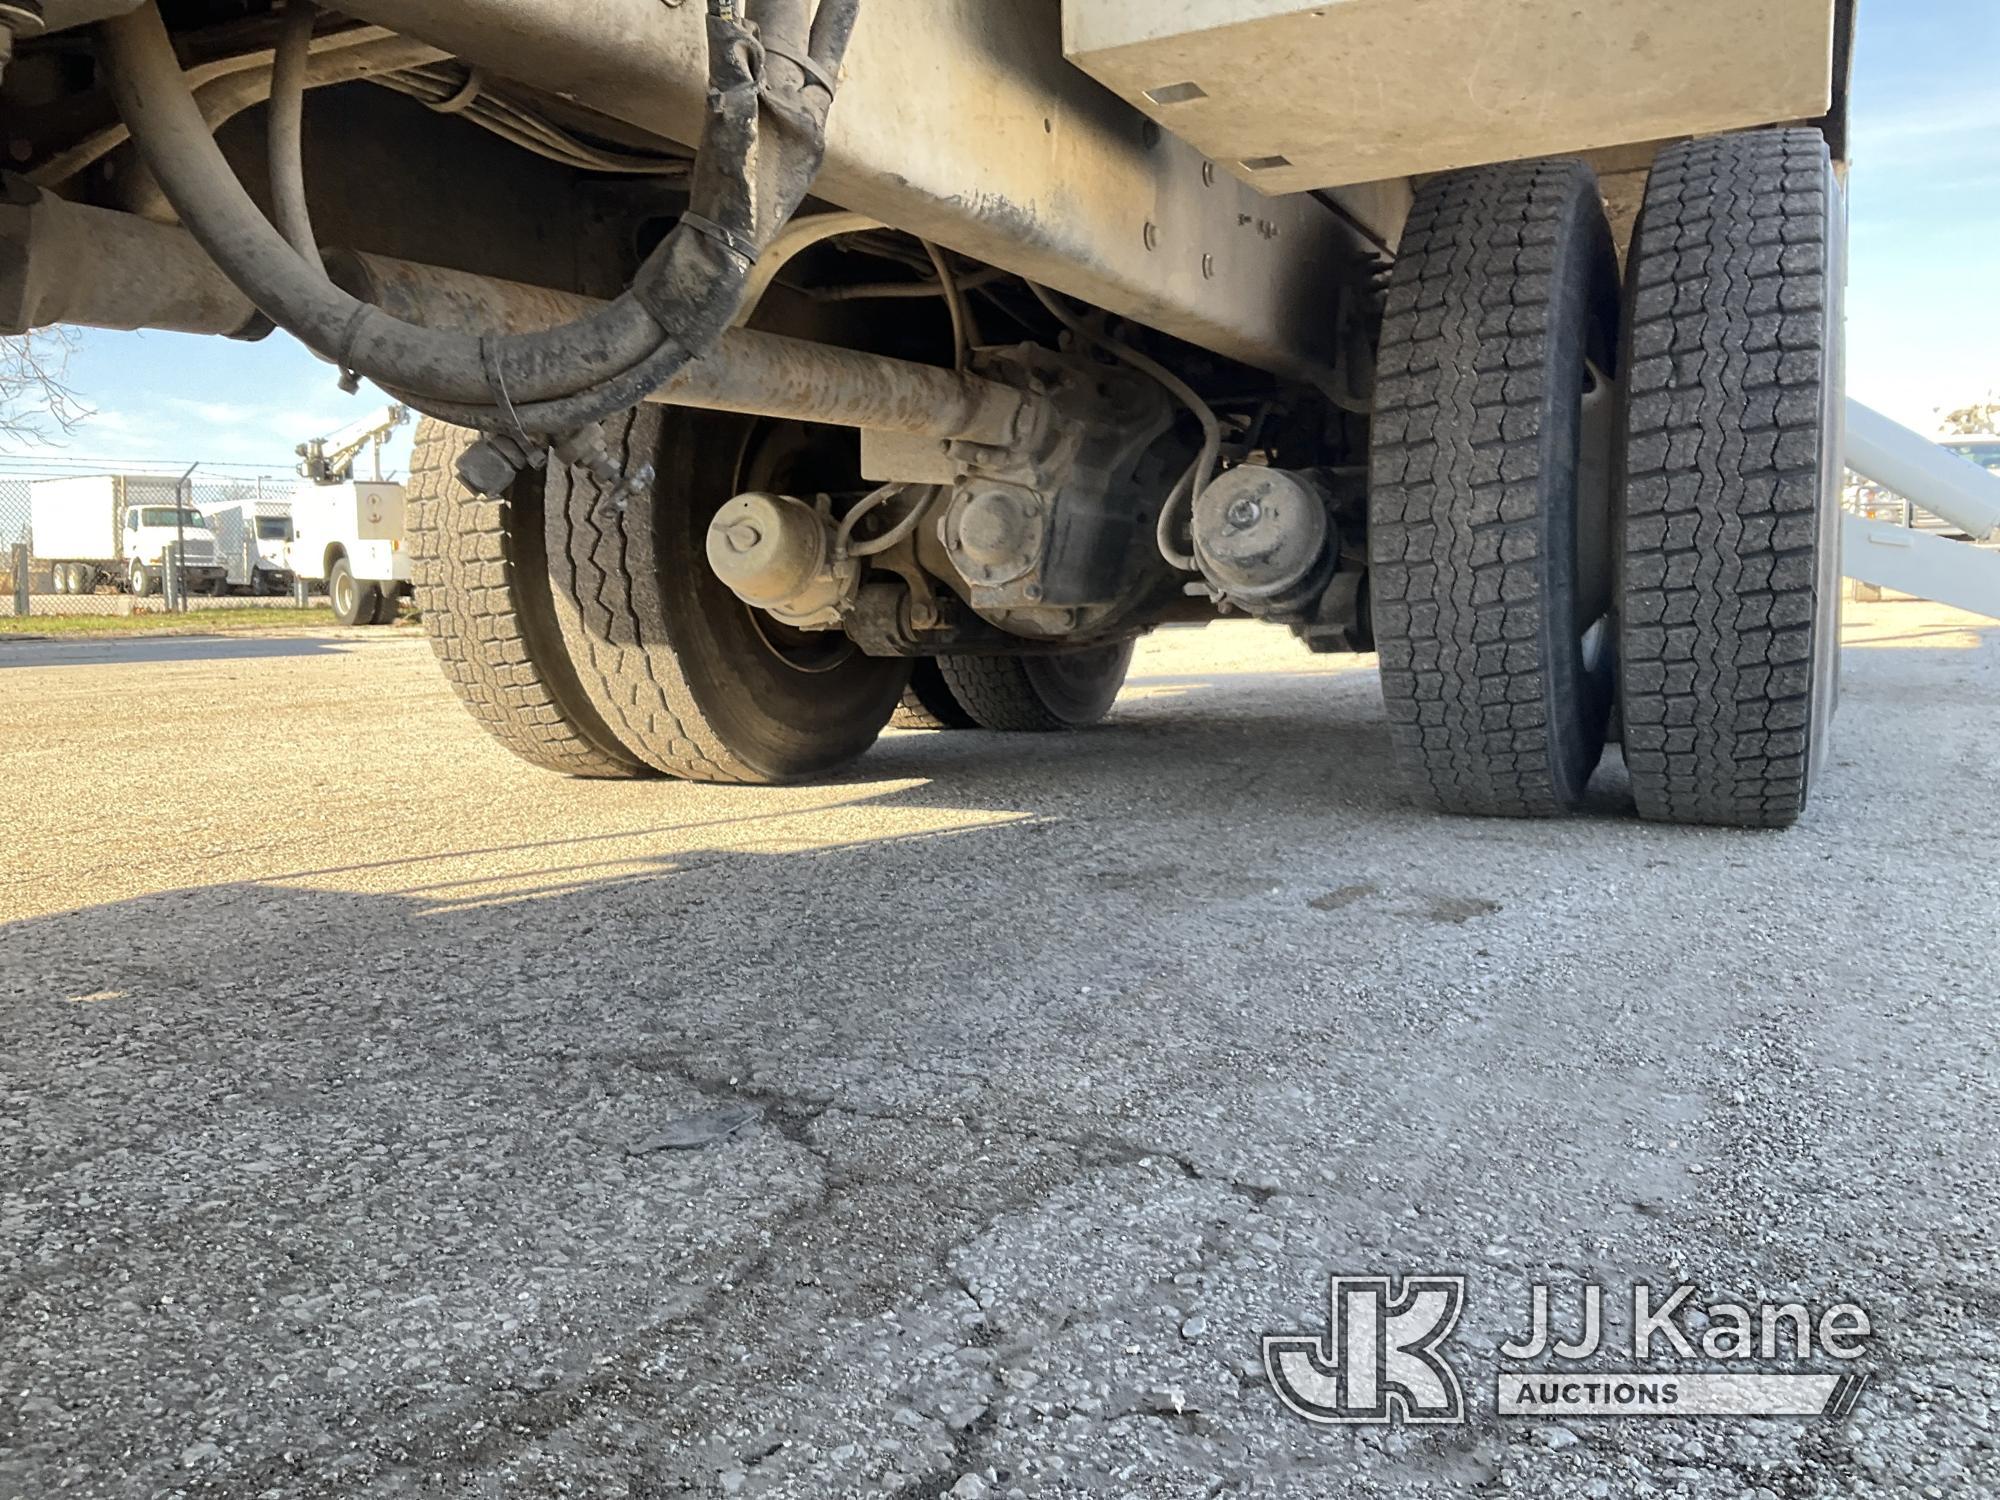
(195, 621)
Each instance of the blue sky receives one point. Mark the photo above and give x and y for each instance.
(1924, 313)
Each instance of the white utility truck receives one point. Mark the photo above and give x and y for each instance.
(255, 539)
(793, 363)
(348, 534)
(120, 530)
(347, 539)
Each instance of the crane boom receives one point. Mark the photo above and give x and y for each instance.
(330, 459)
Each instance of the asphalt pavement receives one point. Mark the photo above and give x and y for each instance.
(379, 1115)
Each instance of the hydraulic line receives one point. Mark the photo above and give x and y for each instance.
(963, 335)
(538, 383)
(287, 129)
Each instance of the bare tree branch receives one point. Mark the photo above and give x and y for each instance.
(36, 401)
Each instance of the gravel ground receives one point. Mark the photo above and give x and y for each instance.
(338, 1045)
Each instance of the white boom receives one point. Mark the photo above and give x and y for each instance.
(330, 459)
(1915, 562)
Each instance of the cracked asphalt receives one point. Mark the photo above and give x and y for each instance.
(339, 1048)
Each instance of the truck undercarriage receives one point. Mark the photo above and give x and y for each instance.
(794, 369)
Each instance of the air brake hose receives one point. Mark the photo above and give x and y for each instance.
(679, 305)
(287, 129)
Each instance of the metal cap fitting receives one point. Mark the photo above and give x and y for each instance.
(775, 554)
(1259, 533)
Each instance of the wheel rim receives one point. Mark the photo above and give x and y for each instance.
(1596, 566)
(783, 704)
(343, 595)
(1078, 687)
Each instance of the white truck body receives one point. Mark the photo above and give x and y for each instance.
(255, 537)
(115, 523)
(361, 520)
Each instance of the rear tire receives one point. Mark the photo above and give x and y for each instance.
(688, 677)
(482, 585)
(1038, 694)
(1730, 609)
(1490, 552)
(353, 601)
(928, 702)
(388, 604)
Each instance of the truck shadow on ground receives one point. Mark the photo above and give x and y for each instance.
(63, 651)
(359, 1165)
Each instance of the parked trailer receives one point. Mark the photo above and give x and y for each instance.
(119, 530)
(348, 542)
(1501, 337)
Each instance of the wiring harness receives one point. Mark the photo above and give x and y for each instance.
(771, 82)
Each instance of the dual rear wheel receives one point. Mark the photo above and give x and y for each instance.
(593, 639)
(1565, 518)
(361, 601)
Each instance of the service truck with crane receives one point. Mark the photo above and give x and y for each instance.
(786, 365)
(348, 535)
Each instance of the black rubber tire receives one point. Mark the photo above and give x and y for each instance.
(1731, 491)
(480, 571)
(353, 599)
(687, 676)
(1038, 694)
(928, 702)
(1494, 638)
(145, 582)
(388, 604)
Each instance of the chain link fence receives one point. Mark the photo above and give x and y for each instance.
(118, 542)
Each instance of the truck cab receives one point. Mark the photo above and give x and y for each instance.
(153, 532)
(255, 541)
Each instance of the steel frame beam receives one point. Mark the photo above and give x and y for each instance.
(959, 120)
(1907, 464)
(1916, 562)
(1921, 563)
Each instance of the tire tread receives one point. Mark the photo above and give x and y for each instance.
(1457, 489)
(1723, 511)
(472, 603)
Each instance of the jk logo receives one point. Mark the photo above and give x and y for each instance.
(1378, 1360)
